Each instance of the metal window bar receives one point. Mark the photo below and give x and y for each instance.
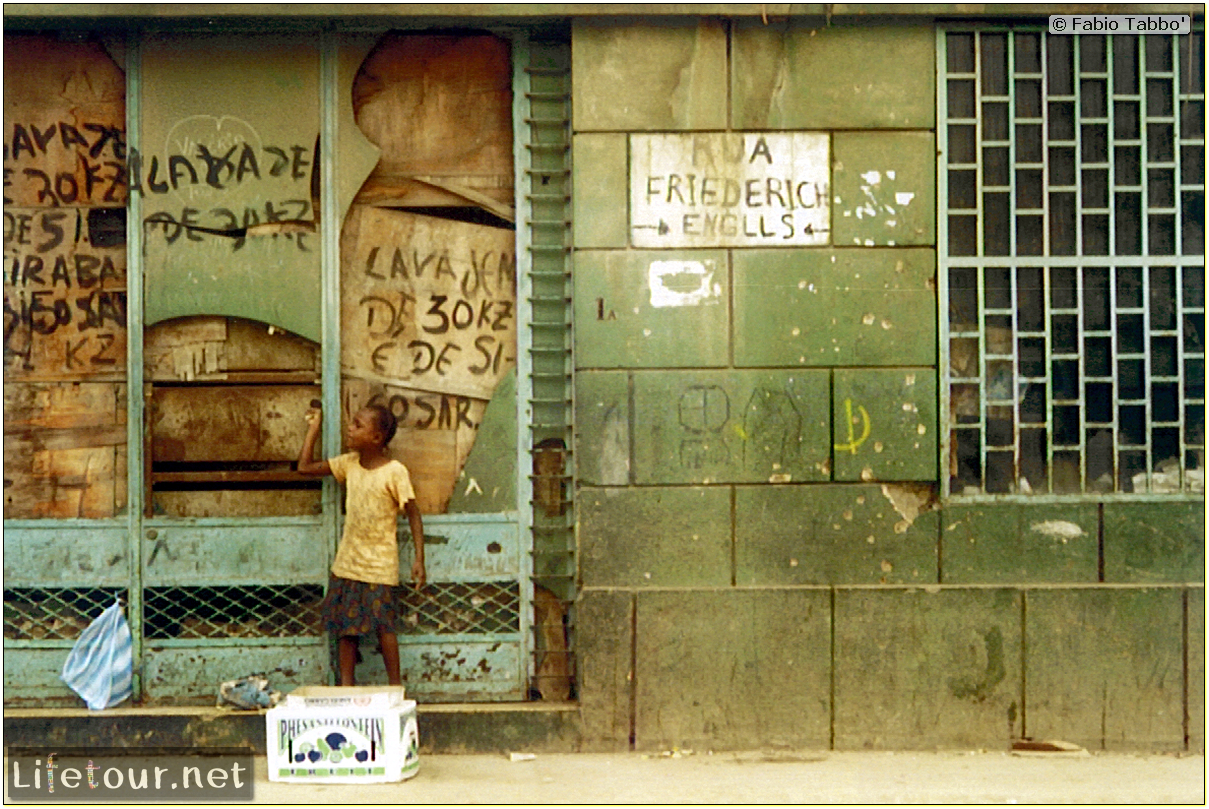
(1096, 353)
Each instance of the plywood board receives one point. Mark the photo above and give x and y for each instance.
(64, 297)
(427, 303)
(229, 423)
(440, 109)
(64, 449)
(64, 124)
(57, 483)
(214, 348)
(237, 503)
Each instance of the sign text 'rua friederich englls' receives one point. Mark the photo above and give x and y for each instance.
(754, 189)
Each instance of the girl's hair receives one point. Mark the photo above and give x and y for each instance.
(387, 423)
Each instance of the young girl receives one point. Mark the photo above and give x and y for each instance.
(361, 595)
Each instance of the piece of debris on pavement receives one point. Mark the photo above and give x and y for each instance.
(1047, 747)
(521, 756)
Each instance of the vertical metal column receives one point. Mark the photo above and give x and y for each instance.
(135, 491)
(329, 274)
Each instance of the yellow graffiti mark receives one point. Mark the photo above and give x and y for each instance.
(853, 441)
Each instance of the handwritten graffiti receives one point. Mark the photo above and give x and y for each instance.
(467, 328)
(64, 308)
(218, 169)
(767, 430)
(850, 420)
(704, 411)
(64, 164)
(194, 224)
(424, 411)
(773, 427)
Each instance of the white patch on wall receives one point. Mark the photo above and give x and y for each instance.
(683, 283)
(1058, 529)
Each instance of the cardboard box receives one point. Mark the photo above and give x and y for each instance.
(352, 735)
(346, 696)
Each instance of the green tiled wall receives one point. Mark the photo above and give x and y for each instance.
(917, 669)
(735, 669)
(602, 427)
(604, 677)
(810, 75)
(655, 537)
(649, 75)
(1154, 542)
(885, 424)
(618, 326)
(1013, 542)
(1195, 651)
(601, 180)
(832, 535)
(1105, 667)
(835, 307)
(760, 465)
(883, 188)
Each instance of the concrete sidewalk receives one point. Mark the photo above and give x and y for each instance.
(746, 778)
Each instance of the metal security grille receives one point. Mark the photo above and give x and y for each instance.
(461, 608)
(232, 612)
(545, 202)
(54, 613)
(1072, 199)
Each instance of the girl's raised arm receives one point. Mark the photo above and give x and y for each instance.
(307, 465)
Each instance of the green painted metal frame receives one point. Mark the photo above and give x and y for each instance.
(1110, 260)
(134, 523)
(524, 316)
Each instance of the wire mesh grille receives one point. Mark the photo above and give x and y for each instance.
(232, 612)
(1074, 262)
(33, 613)
(456, 608)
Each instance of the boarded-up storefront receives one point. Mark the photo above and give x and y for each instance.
(325, 219)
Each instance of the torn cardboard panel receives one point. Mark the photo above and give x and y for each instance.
(427, 303)
(455, 95)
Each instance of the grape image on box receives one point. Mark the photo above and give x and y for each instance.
(361, 597)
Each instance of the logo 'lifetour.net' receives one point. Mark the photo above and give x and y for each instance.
(77, 775)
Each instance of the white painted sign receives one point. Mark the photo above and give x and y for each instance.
(753, 189)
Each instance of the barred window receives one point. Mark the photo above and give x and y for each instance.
(1072, 201)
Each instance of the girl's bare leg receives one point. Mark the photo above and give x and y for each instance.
(346, 648)
(389, 642)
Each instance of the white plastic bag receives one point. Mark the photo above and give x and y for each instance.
(100, 665)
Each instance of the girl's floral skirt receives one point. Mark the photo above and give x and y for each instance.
(359, 608)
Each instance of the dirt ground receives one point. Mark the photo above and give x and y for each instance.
(747, 778)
